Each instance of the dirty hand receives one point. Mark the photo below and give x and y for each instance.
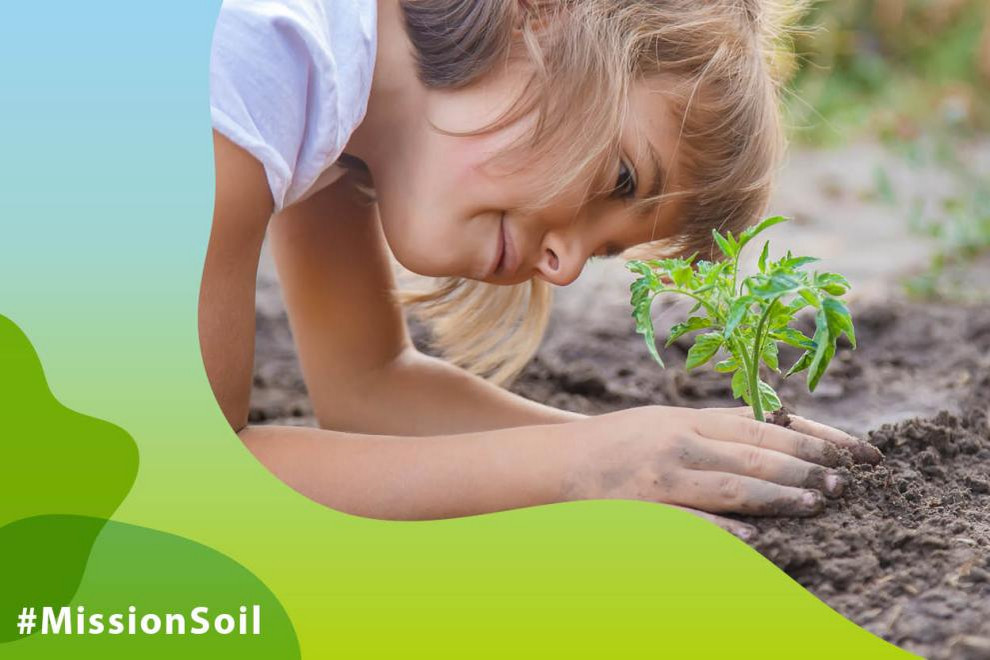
(716, 460)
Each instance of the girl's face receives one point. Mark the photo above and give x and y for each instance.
(445, 213)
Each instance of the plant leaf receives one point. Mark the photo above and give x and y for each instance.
(768, 398)
(736, 313)
(809, 297)
(727, 366)
(833, 283)
(748, 235)
(640, 267)
(793, 263)
(740, 386)
(693, 323)
(644, 326)
(709, 272)
(770, 355)
(824, 350)
(642, 303)
(704, 349)
(794, 338)
(795, 306)
(834, 289)
(682, 275)
(839, 319)
(725, 244)
(762, 262)
(816, 371)
(639, 291)
(801, 364)
(772, 286)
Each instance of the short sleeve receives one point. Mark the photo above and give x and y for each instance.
(289, 82)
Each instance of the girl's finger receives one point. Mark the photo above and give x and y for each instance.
(735, 428)
(723, 492)
(862, 452)
(735, 527)
(764, 464)
(742, 411)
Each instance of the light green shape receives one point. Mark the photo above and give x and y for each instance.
(53, 460)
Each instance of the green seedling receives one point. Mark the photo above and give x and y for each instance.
(745, 319)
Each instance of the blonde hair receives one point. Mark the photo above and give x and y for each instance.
(585, 56)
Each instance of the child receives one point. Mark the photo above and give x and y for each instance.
(505, 142)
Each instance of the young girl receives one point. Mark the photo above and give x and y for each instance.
(504, 142)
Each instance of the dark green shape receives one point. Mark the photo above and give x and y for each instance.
(157, 573)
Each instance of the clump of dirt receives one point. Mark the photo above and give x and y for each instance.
(780, 417)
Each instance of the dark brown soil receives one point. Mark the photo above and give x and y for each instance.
(906, 551)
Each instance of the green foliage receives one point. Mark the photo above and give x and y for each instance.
(746, 319)
(881, 68)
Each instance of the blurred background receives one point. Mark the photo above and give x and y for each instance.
(888, 107)
(888, 69)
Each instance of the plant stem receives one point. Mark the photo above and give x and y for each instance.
(704, 303)
(754, 374)
(747, 368)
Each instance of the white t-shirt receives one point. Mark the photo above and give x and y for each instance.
(289, 83)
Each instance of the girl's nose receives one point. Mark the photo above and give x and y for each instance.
(560, 263)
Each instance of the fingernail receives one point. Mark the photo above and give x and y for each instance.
(834, 484)
(866, 453)
(813, 500)
(745, 532)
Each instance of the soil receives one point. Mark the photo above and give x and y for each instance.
(905, 553)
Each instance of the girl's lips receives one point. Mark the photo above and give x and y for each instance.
(508, 263)
(499, 248)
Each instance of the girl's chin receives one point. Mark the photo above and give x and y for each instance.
(428, 268)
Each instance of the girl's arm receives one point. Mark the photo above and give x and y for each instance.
(705, 459)
(242, 207)
(711, 460)
(360, 367)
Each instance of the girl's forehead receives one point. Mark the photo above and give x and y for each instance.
(651, 123)
(646, 138)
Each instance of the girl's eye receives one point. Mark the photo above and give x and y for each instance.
(625, 184)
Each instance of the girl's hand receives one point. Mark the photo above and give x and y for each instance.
(712, 461)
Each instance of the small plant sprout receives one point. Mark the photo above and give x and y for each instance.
(744, 320)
